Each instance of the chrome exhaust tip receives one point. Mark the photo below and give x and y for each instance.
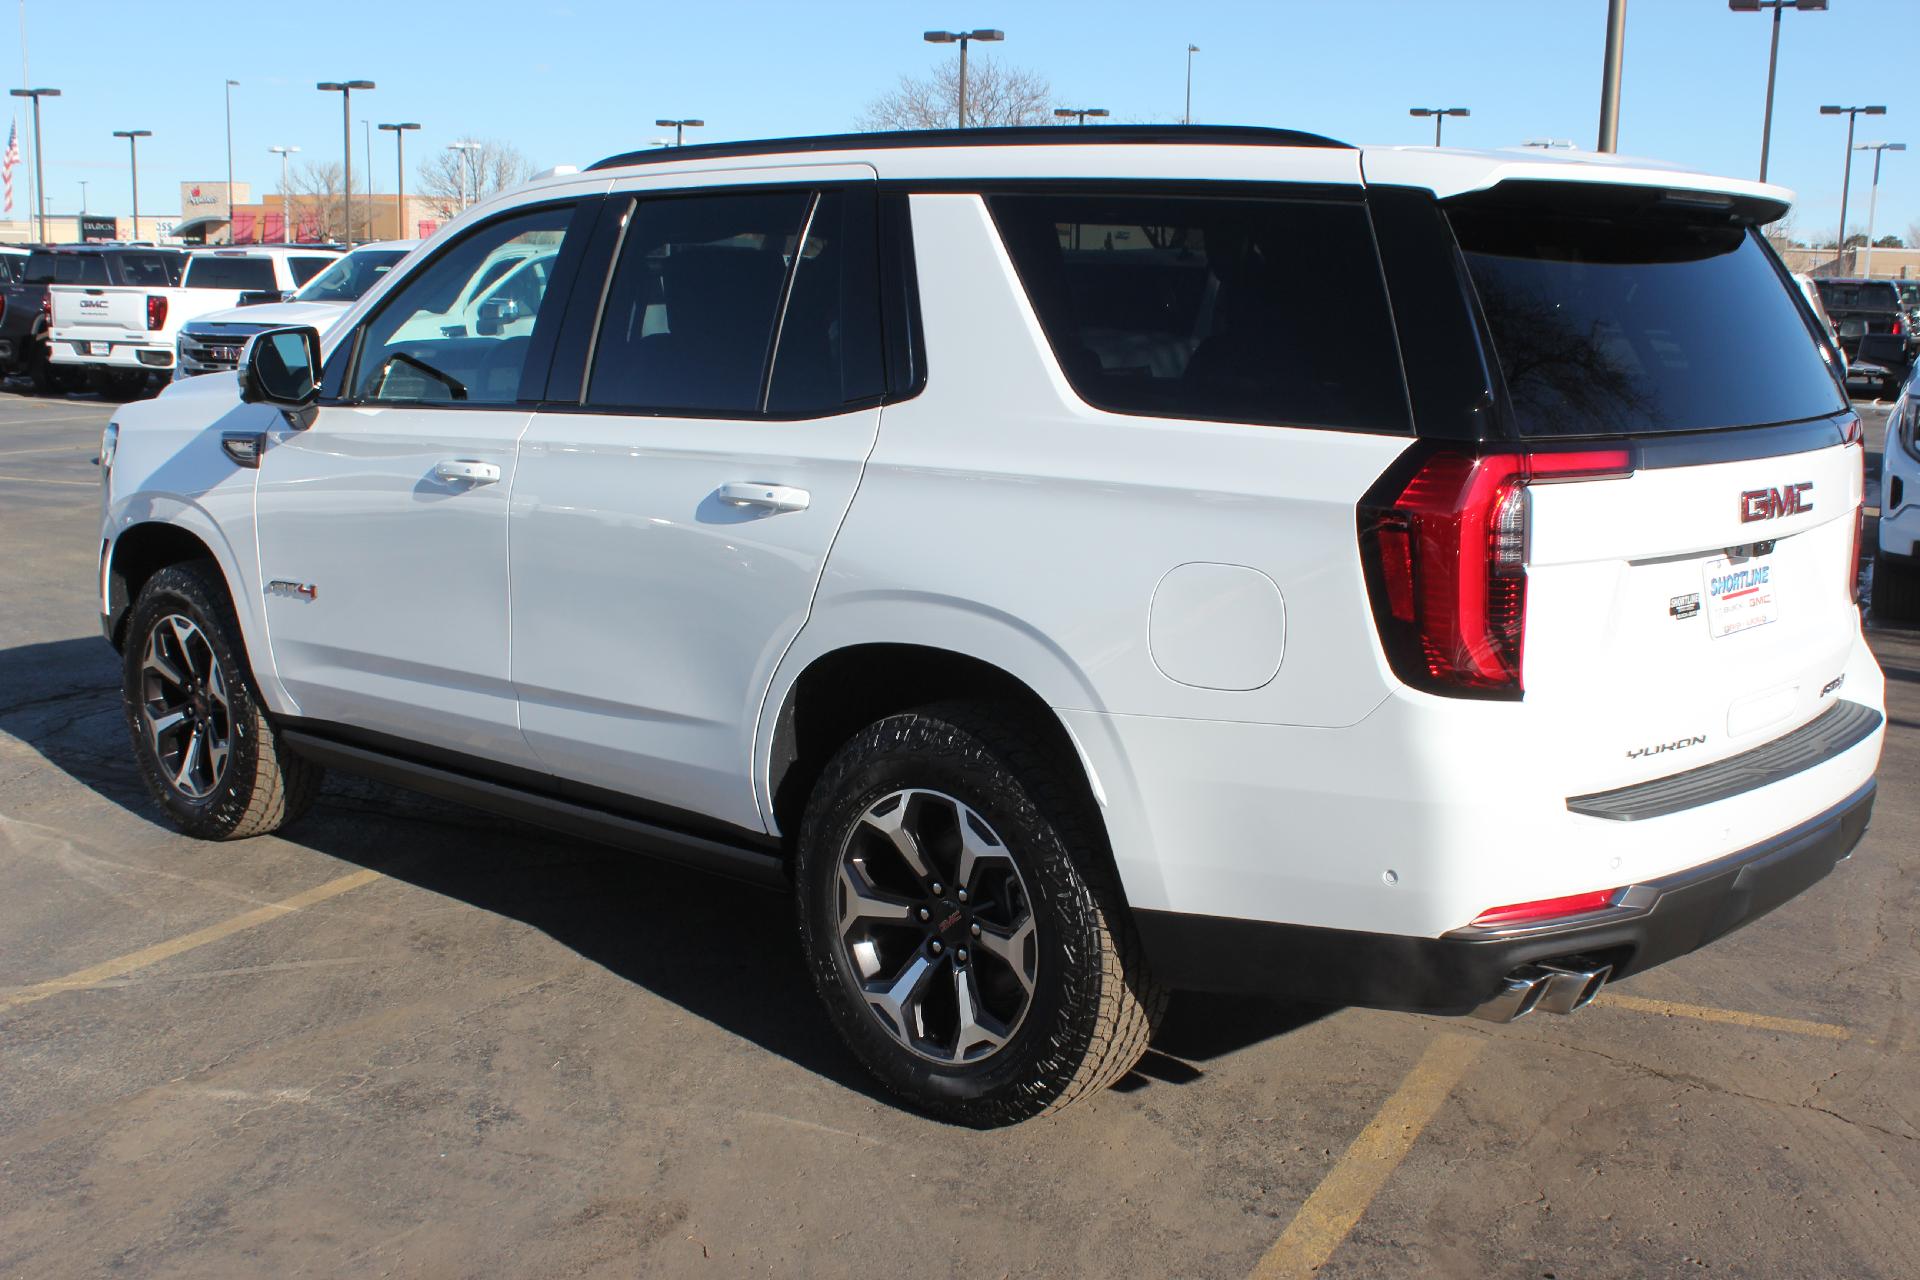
(1553, 987)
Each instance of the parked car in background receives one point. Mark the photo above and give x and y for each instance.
(122, 337)
(1873, 326)
(211, 343)
(25, 305)
(13, 263)
(1811, 293)
(1896, 560)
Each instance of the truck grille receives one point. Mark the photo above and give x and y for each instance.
(208, 353)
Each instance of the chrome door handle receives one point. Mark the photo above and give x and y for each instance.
(466, 470)
(772, 497)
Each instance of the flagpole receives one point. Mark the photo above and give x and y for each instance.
(26, 78)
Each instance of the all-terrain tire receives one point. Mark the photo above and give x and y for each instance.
(1896, 590)
(1094, 1005)
(262, 785)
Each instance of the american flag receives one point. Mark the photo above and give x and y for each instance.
(13, 159)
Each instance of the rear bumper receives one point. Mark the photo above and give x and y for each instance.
(1459, 971)
(110, 353)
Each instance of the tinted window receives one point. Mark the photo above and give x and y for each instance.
(829, 350)
(230, 273)
(1230, 309)
(349, 277)
(690, 311)
(1631, 325)
(305, 269)
(66, 268)
(1859, 295)
(443, 335)
(158, 269)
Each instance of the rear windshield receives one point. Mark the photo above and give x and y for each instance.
(230, 273)
(1634, 326)
(159, 269)
(1859, 295)
(66, 268)
(1230, 309)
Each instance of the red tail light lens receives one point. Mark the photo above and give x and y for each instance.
(156, 311)
(1896, 327)
(46, 305)
(1859, 523)
(1445, 554)
(1548, 908)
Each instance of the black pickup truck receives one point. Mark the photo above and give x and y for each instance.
(1875, 329)
(23, 303)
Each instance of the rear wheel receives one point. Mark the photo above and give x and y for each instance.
(1896, 590)
(208, 755)
(48, 378)
(961, 927)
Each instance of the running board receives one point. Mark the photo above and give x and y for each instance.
(566, 816)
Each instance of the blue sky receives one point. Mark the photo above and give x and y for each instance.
(569, 81)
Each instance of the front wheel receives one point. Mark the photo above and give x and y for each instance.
(963, 930)
(208, 754)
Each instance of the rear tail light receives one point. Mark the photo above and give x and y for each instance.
(46, 306)
(1548, 908)
(1859, 527)
(1445, 552)
(156, 311)
(1897, 330)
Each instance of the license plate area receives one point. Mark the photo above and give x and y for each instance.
(1740, 593)
(97, 348)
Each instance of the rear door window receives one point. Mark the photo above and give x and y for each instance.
(1233, 309)
(1632, 324)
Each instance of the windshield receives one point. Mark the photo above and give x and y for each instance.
(351, 276)
(231, 273)
(1636, 325)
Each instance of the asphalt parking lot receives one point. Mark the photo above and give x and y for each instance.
(406, 1039)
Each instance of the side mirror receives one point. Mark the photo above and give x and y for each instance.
(493, 316)
(282, 367)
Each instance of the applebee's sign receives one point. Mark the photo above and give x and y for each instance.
(196, 196)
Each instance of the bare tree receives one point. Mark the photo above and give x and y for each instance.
(317, 211)
(451, 180)
(1913, 232)
(996, 95)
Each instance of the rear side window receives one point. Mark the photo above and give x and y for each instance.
(1639, 324)
(154, 269)
(66, 268)
(230, 273)
(1228, 309)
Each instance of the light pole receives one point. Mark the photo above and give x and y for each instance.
(1187, 116)
(399, 132)
(1773, 57)
(1610, 76)
(39, 167)
(1439, 115)
(231, 86)
(83, 198)
(680, 128)
(345, 89)
(1068, 113)
(133, 137)
(287, 233)
(1873, 201)
(466, 150)
(1852, 114)
(985, 35)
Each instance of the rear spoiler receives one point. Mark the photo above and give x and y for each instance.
(1737, 208)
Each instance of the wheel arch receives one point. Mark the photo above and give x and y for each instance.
(138, 552)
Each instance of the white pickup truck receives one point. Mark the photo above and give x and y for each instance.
(121, 336)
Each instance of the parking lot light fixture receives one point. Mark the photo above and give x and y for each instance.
(986, 35)
(399, 132)
(1852, 114)
(39, 165)
(1873, 202)
(1439, 115)
(1069, 113)
(1773, 57)
(345, 89)
(680, 128)
(287, 231)
(133, 137)
(1186, 117)
(469, 172)
(231, 86)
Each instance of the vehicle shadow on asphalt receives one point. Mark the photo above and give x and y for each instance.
(722, 951)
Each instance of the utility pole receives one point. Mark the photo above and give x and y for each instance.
(1873, 203)
(231, 85)
(1610, 76)
(133, 137)
(288, 234)
(1846, 177)
(39, 161)
(962, 38)
(399, 132)
(1187, 116)
(345, 89)
(1773, 58)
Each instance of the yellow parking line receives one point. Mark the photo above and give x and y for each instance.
(1707, 1013)
(163, 950)
(1344, 1194)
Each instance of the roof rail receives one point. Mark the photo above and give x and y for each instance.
(1007, 136)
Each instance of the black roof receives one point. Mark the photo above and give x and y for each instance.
(1008, 136)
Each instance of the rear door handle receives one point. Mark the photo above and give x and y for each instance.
(771, 497)
(466, 470)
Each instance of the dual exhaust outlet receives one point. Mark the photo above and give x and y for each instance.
(1557, 988)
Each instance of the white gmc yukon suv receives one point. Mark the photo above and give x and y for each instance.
(1074, 563)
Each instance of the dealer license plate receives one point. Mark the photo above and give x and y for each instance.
(1740, 594)
(99, 348)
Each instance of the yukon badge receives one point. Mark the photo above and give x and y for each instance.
(293, 590)
(1678, 744)
(1765, 504)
